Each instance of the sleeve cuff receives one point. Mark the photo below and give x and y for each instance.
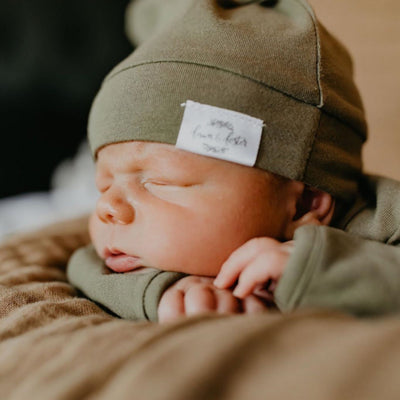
(300, 268)
(155, 289)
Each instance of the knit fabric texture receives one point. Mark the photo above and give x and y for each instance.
(273, 62)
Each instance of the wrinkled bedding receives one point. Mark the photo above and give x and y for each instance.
(55, 344)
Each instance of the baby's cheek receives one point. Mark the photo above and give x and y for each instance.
(95, 232)
(92, 223)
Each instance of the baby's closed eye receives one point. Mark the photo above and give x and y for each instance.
(165, 187)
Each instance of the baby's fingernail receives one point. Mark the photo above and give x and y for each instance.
(217, 281)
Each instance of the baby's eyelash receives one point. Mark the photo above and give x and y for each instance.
(102, 186)
(156, 183)
(162, 182)
(103, 189)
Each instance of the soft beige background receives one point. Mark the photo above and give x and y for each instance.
(371, 31)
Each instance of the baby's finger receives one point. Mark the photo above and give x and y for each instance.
(227, 303)
(265, 291)
(239, 260)
(171, 305)
(252, 305)
(255, 274)
(260, 271)
(230, 271)
(199, 299)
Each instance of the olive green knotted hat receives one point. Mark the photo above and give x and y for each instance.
(271, 60)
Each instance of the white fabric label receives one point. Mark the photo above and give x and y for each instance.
(220, 133)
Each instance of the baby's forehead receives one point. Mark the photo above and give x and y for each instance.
(142, 155)
(140, 152)
(166, 159)
(139, 149)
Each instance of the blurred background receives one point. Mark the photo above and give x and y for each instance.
(54, 55)
(370, 29)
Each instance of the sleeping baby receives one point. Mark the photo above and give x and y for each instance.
(228, 163)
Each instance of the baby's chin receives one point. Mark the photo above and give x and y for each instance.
(191, 269)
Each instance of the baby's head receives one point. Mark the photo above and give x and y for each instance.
(186, 212)
(234, 123)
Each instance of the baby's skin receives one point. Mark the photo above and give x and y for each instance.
(229, 226)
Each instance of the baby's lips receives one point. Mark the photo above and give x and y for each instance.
(122, 262)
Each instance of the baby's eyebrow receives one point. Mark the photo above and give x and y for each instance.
(161, 157)
(144, 157)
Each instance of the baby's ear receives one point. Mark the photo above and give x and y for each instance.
(314, 207)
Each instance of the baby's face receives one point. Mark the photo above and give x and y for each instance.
(167, 208)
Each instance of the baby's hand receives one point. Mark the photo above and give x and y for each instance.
(194, 295)
(256, 266)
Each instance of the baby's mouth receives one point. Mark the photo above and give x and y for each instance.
(121, 262)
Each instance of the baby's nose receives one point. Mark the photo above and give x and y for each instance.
(114, 208)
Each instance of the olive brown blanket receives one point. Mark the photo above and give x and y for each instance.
(57, 345)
